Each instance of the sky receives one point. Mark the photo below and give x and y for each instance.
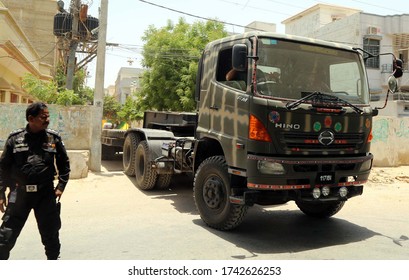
(129, 19)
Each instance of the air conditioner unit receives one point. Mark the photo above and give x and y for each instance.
(372, 30)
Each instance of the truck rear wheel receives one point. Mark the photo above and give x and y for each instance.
(211, 194)
(163, 181)
(129, 152)
(320, 210)
(146, 176)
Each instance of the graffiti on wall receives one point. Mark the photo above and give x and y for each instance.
(72, 123)
(380, 130)
(403, 129)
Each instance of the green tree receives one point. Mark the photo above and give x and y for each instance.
(42, 90)
(129, 111)
(54, 92)
(111, 108)
(84, 93)
(171, 54)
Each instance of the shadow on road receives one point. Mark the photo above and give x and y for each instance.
(179, 193)
(113, 165)
(285, 231)
(265, 231)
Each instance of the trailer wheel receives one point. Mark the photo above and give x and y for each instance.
(163, 181)
(129, 151)
(146, 176)
(211, 194)
(320, 210)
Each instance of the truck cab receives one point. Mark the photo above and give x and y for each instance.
(292, 123)
(279, 118)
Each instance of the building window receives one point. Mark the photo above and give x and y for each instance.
(14, 98)
(2, 96)
(372, 46)
(235, 79)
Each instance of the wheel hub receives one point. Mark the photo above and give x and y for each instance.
(213, 193)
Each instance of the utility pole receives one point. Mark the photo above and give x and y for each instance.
(95, 155)
(75, 8)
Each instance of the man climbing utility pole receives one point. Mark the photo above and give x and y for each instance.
(75, 7)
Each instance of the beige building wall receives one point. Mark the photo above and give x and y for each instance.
(36, 20)
(308, 22)
(22, 45)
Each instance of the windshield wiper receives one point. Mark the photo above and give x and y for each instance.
(324, 99)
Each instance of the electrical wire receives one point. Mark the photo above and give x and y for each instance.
(199, 17)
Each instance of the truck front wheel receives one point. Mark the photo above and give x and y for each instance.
(320, 210)
(145, 175)
(211, 194)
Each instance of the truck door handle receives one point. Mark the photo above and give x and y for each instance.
(213, 107)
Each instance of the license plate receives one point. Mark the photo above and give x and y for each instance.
(31, 188)
(326, 178)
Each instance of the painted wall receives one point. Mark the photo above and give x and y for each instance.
(390, 144)
(73, 123)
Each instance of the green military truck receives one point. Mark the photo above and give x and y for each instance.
(279, 118)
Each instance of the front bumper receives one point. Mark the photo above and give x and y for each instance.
(306, 173)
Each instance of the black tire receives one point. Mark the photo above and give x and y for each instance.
(211, 194)
(129, 151)
(108, 152)
(163, 181)
(145, 175)
(320, 210)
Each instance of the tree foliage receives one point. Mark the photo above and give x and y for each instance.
(129, 110)
(54, 92)
(171, 55)
(111, 108)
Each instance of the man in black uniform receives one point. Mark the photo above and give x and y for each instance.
(27, 168)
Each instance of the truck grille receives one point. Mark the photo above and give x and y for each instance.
(302, 141)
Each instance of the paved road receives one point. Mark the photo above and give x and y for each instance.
(105, 217)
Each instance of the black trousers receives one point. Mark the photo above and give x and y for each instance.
(47, 214)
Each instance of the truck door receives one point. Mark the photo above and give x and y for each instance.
(228, 108)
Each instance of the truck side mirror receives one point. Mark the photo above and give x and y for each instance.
(392, 88)
(397, 68)
(239, 57)
(392, 84)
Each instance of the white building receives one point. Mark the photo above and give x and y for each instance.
(373, 33)
(259, 25)
(127, 82)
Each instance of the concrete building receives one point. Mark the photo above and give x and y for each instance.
(127, 82)
(259, 25)
(373, 33)
(27, 45)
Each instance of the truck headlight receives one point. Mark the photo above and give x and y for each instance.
(343, 192)
(325, 191)
(316, 193)
(272, 168)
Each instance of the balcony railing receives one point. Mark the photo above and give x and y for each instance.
(387, 68)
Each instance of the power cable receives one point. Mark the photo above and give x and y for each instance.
(377, 6)
(200, 17)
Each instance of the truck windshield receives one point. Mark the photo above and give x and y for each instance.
(287, 69)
